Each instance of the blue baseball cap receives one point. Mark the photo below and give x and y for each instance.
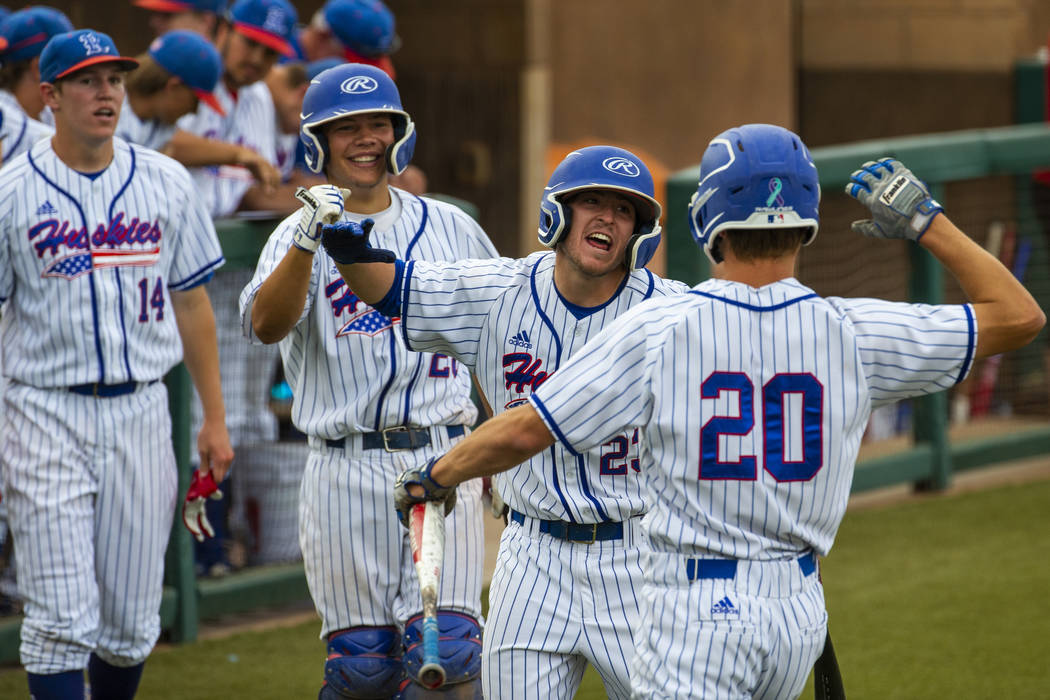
(69, 52)
(193, 60)
(269, 22)
(366, 26)
(25, 33)
(4, 12)
(173, 6)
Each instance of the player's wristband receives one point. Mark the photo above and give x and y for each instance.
(390, 304)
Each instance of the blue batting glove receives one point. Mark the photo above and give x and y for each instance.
(347, 243)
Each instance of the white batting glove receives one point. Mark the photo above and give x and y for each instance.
(323, 204)
(194, 516)
(900, 204)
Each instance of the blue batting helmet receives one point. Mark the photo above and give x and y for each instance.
(755, 176)
(603, 168)
(354, 88)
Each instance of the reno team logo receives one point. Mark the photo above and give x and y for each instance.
(363, 319)
(621, 166)
(71, 252)
(359, 85)
(92, 44)
(275, 21)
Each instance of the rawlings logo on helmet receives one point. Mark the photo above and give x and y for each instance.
(359, 85)
(621, 166)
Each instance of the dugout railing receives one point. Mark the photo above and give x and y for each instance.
(929, 461)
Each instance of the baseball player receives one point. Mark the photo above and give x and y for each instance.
(368, 404)
(751, 394)
(101, 279)
(564, 589)
(179, 70)
(23, 35)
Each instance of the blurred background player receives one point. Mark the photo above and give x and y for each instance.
(88, 333)
(367, 403)
(23, 35)
(752, 394)
(179, 70)
(569, 563)
(287, 83)
(201, 16)
(250, 39)
(358, 31)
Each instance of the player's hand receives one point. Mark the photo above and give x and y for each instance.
(900, 204)
(347, 243)
(214, 449)
(194, 517)
(264, 172)
(416, 486)
(322, 204)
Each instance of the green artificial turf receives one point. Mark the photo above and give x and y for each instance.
(944, 598)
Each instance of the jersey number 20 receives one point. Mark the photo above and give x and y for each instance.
(771, 413)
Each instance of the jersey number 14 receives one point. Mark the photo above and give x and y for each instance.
(781, 436)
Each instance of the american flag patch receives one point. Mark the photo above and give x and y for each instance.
(72, 266)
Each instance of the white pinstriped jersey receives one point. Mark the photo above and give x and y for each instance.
(18, 131)
(250, 121)
(151, 134)
(748, 442)
(506, 320)
(348, 367)
(86, 265)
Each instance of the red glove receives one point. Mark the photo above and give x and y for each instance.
(193, 515)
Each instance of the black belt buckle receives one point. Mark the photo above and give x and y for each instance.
(412, 434)
(571, 530)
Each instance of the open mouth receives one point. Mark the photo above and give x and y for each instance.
(600, 240)
(105, 113)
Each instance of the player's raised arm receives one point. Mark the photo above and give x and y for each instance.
(901, 206)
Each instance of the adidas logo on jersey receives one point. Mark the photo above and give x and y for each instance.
(521, 340)
(46, 208)
(724, 607)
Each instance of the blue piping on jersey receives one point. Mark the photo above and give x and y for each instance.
(406, 285)
(116, 270)
(199, 277)
(587, 489)
(652, 285)
(537, 403)
(752, 307)
(393, 335)
(582, 312)
(91, 274)
(969, 345)
(411, 385)
(422, 225)
(389, 381)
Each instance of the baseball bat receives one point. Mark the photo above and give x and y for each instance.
(827, 678)
(427, 537)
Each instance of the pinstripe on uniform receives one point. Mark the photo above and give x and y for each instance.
(555, 605)
(749, 447)
(18, 131)
(86, 269)
(351, 373)
(149, 134)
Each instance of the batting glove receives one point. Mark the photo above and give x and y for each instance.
(193, 515)
(347, 243)
(432, 490)
(900, 204)
(322, 204)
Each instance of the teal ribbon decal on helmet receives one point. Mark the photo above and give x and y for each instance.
(775, 185)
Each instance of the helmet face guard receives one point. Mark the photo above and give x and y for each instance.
(347, 90)
(603, 168)
(756, 176)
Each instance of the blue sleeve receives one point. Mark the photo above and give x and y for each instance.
(390, 305)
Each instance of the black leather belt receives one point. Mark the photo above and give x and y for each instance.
(726, 568)
(397, 438)
(107, 391)
(575, 532)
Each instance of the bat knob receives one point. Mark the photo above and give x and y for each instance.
(432, 676)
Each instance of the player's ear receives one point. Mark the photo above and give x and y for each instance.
(50, 92)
